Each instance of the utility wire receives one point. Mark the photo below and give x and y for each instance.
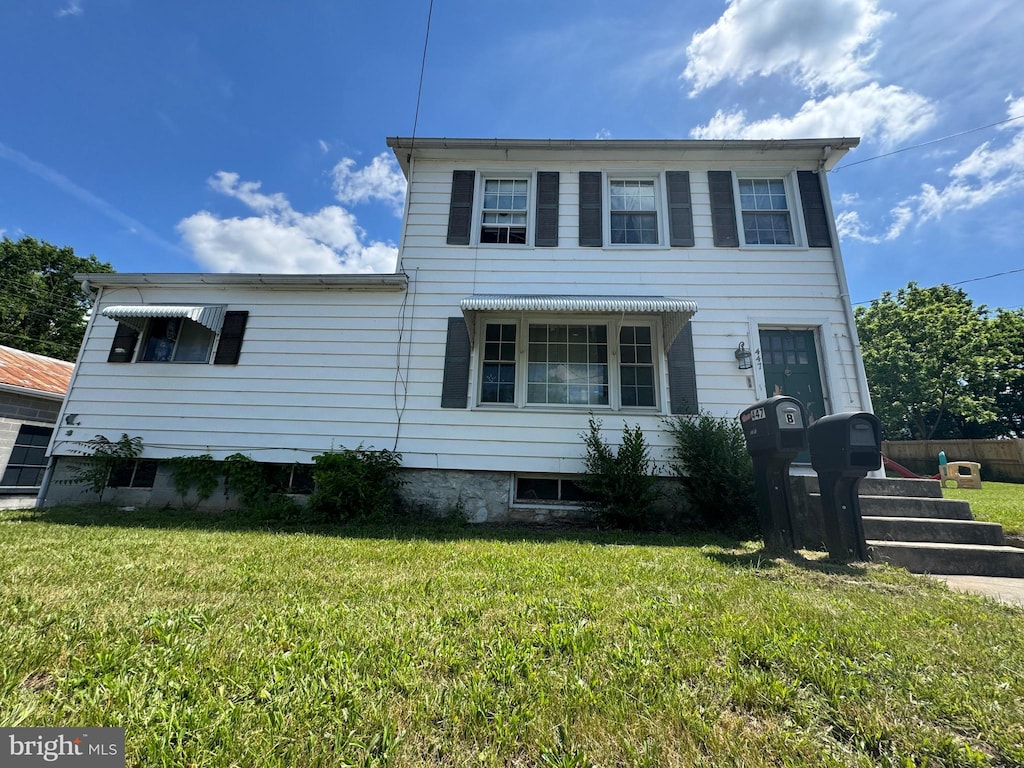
(423, 69)
(961, 282)
(927, 143)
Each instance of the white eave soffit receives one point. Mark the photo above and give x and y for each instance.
(675, 313)
(135, 315)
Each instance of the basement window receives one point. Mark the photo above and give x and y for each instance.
(552, 489)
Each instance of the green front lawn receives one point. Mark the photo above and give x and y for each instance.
(995, 503)
(218, 645)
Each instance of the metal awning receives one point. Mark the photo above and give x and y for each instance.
(675, 313)
(135, 315)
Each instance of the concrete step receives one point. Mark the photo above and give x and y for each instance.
(873, 486)
(933, 530)
(950, 559)
(904, 506)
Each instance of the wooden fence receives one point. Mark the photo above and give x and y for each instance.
(1001, 460)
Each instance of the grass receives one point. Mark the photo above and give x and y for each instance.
(995, 503)
(215, 644)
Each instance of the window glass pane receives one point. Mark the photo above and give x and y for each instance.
(161, 335)
(636, 369)
(536, 489)
(498, 375)
(194, 343)
(503, 218)
(569, 368)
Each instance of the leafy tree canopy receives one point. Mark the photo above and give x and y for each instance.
(927, 353)
(43, 309)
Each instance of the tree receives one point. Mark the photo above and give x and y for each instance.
(1008, 340)
(928, 352)
(43, 308)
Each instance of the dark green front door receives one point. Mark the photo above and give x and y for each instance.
(790, 362)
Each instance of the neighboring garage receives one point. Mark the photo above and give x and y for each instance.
(32, 388)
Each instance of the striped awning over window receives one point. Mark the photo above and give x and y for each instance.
(135, 315)
(675, 313)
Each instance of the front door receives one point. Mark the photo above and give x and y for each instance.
(790, 362)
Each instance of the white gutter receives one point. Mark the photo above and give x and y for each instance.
(371, 282)
(844, 297)
(15, 389)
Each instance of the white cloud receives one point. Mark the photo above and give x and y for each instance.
(819, 43)
(73, 8)
(280, 239)
(381, 180)
(989, 172)
(324, 146)
(850, 226)
(888, 114)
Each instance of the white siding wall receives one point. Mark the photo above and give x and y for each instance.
(319, 368)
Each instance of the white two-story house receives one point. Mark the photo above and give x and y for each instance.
(538, 282)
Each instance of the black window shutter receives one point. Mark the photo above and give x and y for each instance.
(123, 348)
(680, 209)
(723, 209)
(590, 209)
(460, 214)
(229, 349)
(455, 386)
(547, 209)
(815, 216)
(682, 375)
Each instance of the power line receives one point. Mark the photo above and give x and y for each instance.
(927, 143)
(962, 282)
(423, 69)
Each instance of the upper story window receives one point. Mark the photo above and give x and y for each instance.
(504, 211)
(765, 211)
(176, 340)
(634, 211)
(650, 209)
(161, 333)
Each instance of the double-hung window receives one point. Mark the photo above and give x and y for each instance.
(503, 213)
(633, 205)
(765, 211)
(582, 364)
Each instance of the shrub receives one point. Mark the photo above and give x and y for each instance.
(356, 484)
(194, 472)
(711, 460)
(623, 481)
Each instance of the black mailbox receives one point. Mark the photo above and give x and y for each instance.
(776, 431)
(844, 448)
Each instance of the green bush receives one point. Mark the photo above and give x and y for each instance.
(199, 473)
(711, 460)
(622, 482)
(356, 484)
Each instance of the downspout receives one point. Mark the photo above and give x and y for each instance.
(844, 297)
(51, 462)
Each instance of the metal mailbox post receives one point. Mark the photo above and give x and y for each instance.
(844, 448)
(776, 431)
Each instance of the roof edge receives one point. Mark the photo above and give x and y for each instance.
(369, 282)
(407, 143)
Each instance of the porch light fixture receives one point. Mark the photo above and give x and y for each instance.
(743, 357)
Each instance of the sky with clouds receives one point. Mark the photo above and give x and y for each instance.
(198, 136)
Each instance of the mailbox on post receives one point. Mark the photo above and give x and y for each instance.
(844, 448)
(776, 431)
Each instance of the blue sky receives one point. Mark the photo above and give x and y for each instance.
(249, 137)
